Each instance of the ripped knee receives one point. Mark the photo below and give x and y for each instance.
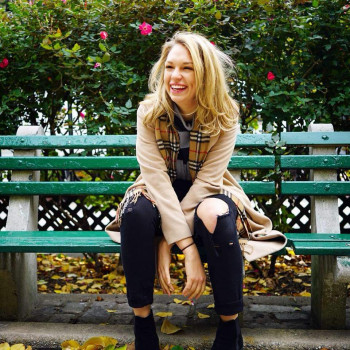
(209, 211)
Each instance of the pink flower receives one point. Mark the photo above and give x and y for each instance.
(97, 65)
(82, 114)
(145, 28)
(103, 35)
(64, 1)
(212, 42)
(270, 76)
(4, 63)
(30, 3)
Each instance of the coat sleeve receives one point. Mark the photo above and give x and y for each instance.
(155, 175)
(209, 179)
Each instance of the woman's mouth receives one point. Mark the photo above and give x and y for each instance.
(177, 88)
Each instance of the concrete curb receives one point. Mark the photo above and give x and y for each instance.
(51, 335)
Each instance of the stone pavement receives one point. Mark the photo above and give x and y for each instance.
(279, 323)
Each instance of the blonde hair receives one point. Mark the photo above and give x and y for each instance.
(216, 110)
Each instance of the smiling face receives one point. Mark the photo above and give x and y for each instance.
(179, 79)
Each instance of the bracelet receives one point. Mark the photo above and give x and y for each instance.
(188, 246)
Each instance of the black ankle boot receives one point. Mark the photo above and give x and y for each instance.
(228, 336)
(146, 337)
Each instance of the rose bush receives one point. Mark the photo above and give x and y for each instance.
(292, 59)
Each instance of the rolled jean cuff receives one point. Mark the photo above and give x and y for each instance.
(229, 309)
(140, 301)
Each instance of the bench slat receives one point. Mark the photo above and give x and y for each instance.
(114, 163)
(57, 242)
(320, 188)
(103, 141)
(102, 187)
(315, 162)
(338, 138)
(321, 248)
(316, 237)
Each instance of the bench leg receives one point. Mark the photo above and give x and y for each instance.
(328, 297)
(18, 271)
(18, 289)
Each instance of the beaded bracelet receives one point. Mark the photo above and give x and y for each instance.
(188, 246)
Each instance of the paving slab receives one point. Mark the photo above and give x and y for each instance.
(269, 323)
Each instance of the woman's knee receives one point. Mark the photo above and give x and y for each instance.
(142, 213)
(209, 210)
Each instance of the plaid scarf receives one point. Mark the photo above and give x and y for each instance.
(168, 143)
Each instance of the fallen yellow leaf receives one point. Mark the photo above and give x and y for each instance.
(5, 346)
(169, 328)
(177, 301)
(55, 277)
(98, 341)
(164, 314)
(70, 345)
(18, 347)
(111, 310)
(211, 306)
(187, 302)
(305, 294)
(200, 315)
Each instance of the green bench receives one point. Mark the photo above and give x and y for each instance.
(21, 238)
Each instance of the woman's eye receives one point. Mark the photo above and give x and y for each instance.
(168, 67)
(190, 68)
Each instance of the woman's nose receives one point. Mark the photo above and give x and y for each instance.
(176, 73)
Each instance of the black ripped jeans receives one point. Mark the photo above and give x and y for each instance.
(141, 225)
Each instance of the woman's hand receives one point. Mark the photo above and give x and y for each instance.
(164, 259)
(196, 280)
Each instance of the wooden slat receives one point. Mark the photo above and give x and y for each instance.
(102, 187)
(114, 163)
(74, 163)
(315, 162)
(57, 242)
(103, 141)
(67, 142)
(252, 162)
(321, 248)
(321, 188)
(338, 138)
(315, 237)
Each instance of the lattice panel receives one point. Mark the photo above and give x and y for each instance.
(57, 213)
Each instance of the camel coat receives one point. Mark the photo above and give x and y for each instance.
(209, 173)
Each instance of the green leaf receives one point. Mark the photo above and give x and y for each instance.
(102, 47)
(45, 46)
(76, 48)
(124, 347)
(106, 57)
(57, 46)
(315, 3)
(128, 104)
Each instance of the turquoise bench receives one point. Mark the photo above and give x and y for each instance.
(21, 238)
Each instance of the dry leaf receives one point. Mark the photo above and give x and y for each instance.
(103, 341)
(187, 302)
(169, 328)
(177, 301)
(111, 311)
(211, 306)
(5, 346)
(200, 315)
(70, 345)
(18, 347)
(305, 294)
(164, 314)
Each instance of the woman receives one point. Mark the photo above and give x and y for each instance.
(186, 131)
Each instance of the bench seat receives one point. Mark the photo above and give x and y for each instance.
(320, 243)
(57, 242)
